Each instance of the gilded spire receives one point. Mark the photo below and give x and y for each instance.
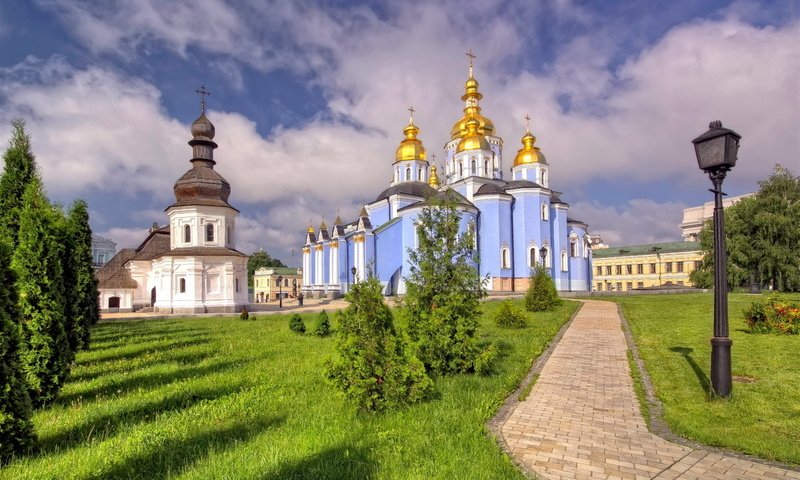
(310, 227)
(433, 179)
(363, 212)
(471, 107)
(337, 220)
(529, 153)
(411, 147)
(322, 225)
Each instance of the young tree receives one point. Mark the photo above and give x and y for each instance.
(375, 367)
(16, 428)
(762, 237)
(80, 281)
(443, 290)
(541, 294)
(19, 170)
(45, 351)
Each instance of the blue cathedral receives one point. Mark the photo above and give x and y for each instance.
(518, 222)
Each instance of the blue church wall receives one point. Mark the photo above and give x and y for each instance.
(380, 213)
(388, 239)
(558, 243)
(528, 230)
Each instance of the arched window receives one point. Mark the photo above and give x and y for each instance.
(486, 167)
(408, 173)
(504, 260)
(187, 234)
(548, 257)
(532, 256)
(229, 234)
(460, 169)
(182, 285)
(544, 211)
(544, 178)
(564, 261)
(472, 167)
(573, 247)
(209, 232)
(419, 174)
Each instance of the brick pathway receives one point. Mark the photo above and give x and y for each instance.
(582, 420)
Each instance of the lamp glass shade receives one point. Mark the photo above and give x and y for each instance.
(717, 148)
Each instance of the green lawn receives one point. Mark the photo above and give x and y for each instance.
(761, 418)
(224, 398)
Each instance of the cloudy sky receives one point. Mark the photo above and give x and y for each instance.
(310, 98)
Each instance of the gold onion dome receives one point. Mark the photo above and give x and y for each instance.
(472, 110)
(473, 139)
(310, 228)
(411, 147)
(433, 179)
(529, 153)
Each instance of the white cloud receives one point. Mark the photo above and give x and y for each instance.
(125, 237)
(637, 221)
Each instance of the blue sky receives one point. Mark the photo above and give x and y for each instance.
(309, 100)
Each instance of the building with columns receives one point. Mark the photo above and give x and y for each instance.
(190, 265)
(515, 213)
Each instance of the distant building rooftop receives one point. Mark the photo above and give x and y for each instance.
(646, 249)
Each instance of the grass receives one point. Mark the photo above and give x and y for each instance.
(762, 415)
(224, 398)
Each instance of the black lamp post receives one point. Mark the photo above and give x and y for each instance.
(543, 254)
(280, 291)
(353, 271)
(716, 155)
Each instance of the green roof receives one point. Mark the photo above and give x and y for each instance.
(278, 270)
(646, 249)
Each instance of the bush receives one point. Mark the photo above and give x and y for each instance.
(296, 324)
(323, 326)
(541, 295)
(244, 315)
(375, 368)
(776, 315)
(486, 361)
(510, 316)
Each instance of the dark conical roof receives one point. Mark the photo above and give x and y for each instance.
(201, 184)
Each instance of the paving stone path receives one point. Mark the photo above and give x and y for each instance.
(582, 419)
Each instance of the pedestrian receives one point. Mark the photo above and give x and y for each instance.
(300, 299)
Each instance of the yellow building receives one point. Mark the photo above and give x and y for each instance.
(266, 287)
(619, 269)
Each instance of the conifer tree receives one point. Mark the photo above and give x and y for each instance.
(19, 170)
(16, 428)
(80, 280)
(541, 294)
(375, 368)
(37, 261)
(443, 290)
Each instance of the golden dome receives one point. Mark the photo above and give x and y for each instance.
(471, 110)
(474, 139)
(310, 229)
(529, 153)
(433, 179)
(411, 147)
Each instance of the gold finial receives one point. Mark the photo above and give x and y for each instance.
(471, 58)
(203, 92)
(363, 212)
(527, 123)
(310, 227)
(322, 225)
(337, 220)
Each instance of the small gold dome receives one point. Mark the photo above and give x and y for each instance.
(473, 140)
(529, 153)
(433, 179)
(411, 147)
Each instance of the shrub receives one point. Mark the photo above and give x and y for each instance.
(323, 326)
(510, 316)
(244, 315)
(375, 368)
(773, 316)
(296, 324)
(541, 295)
(486, 361)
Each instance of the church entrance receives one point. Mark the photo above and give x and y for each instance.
(113, 302)
(153, 296)
(394, 283)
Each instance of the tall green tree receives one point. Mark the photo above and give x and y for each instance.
(16, 428)
(375, 367)
(762, 237)
(45, 352)
(19, 170)
(258, 260)
(83, 310)
(443, 290)
(541, 294)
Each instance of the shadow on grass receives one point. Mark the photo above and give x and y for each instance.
(145, 382)
(137, 352)
(112, 332)
(169, 457)
(337, 463)
(170, 356)
(146, 337)
(686, 353)
(103, 426)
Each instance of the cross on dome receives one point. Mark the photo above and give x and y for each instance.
(411, 118)
(203, 92)
(527, 122)
(471, 58)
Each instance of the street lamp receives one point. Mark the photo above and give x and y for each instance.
(716, 155)
(353, 271)
(280, 291)
(543, 254)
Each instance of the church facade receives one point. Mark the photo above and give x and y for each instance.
(191, 265)
(515, 219)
